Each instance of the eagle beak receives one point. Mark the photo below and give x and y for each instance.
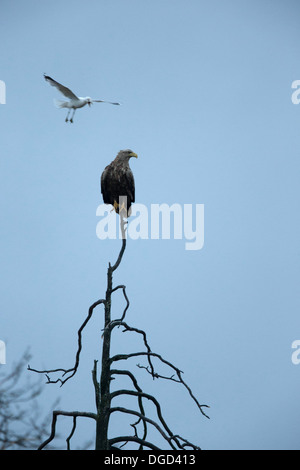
(133, 155)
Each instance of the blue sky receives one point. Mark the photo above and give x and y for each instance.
(205, 88)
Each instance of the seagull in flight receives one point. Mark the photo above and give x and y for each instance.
(74, 101)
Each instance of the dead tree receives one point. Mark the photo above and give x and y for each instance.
(104, 397)
(21, 425)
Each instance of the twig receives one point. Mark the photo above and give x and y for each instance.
(158, 376)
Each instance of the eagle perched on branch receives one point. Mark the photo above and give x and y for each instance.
(117, 183)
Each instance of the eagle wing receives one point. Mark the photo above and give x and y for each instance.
(104, 189)
(130, 186)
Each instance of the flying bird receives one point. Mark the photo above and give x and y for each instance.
(74, 102)
(117, 183)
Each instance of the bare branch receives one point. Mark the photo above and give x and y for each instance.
(140, 394)
(126, 298)
(96, 385)
(73, 370)
(73, 414)
(123, 230)
(72, 432)
(156, 375)
(139, 390)
(22, 424)
(115, 323)
(136, 413)
(119, 357)
(126, 439)
(170, 437)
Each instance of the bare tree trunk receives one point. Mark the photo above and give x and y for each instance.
(104, 404)
(105, 400)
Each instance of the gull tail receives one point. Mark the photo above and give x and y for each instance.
(60, 103)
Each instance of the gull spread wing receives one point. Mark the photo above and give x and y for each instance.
(101, 101)
(64, 90)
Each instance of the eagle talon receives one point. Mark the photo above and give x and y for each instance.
(116, 206)
(120, 208)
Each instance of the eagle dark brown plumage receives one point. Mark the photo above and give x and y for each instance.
(117, 181)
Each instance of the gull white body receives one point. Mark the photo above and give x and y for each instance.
(74, 102)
